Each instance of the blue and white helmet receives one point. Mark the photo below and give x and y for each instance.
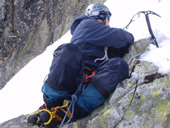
(97, 10)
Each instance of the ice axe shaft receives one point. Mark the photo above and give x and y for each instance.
(146, 13)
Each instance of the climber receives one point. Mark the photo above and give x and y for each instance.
(94, 58)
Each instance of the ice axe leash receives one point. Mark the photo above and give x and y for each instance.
(146, 13)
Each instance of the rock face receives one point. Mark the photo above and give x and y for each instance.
(27, 27)
(142, 101)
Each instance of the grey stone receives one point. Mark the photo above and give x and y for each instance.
(27, 27)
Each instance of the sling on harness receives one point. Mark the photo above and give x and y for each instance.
(146, 13)
(87, 77)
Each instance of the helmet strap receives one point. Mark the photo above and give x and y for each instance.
(102, 16)
(104, 20)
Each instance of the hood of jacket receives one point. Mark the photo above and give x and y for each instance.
(77, 21)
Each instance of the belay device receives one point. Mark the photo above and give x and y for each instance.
(146, 13)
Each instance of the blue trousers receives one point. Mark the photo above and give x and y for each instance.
(66, 72)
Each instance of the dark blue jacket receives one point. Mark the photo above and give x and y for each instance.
(92, 36)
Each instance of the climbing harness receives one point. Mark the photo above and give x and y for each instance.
(146, 13)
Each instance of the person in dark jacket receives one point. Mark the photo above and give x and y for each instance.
(92, 59)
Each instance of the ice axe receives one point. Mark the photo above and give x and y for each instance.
(146, 13)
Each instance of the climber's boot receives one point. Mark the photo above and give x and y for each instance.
(33, 118)
(54, 117)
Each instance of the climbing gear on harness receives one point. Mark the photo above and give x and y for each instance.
(87, 77)
(105, 57)
(146, 13)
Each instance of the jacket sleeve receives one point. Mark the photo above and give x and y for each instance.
(99, 34)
